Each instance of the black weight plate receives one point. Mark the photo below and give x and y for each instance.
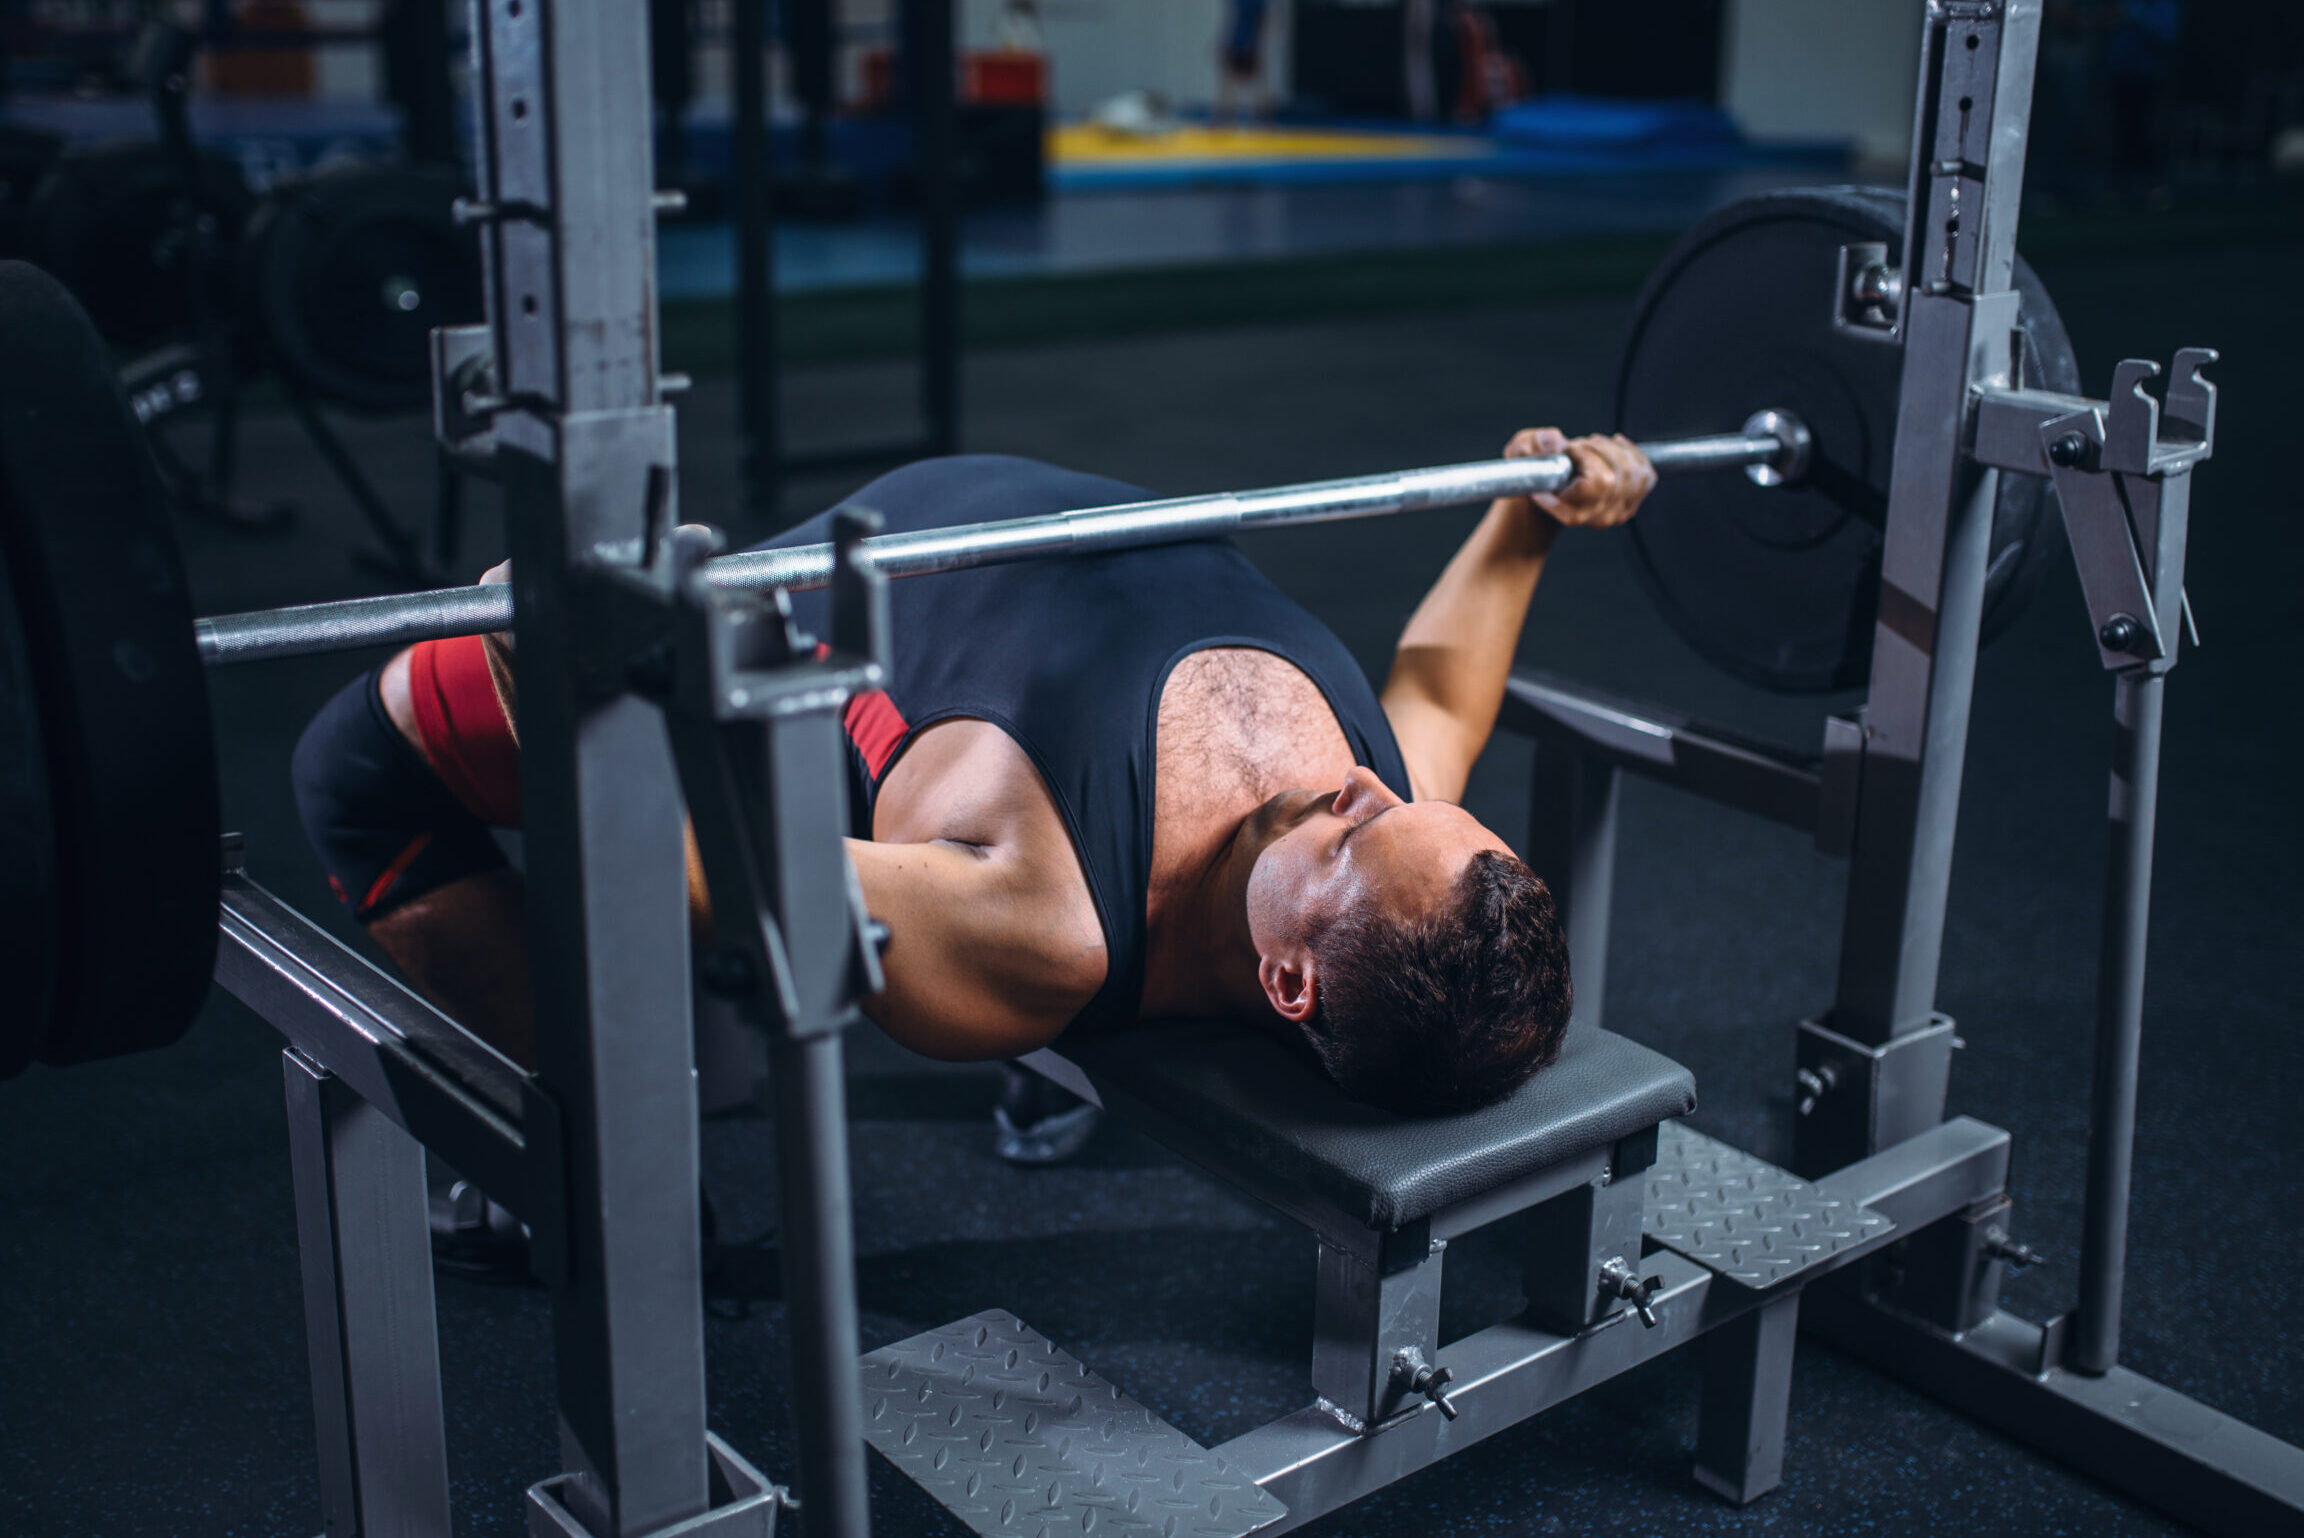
(121, 693)
(104, 221)
(1779, 586)
(350, 270)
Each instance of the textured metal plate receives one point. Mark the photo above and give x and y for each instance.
(1016, 1437)
(1743, 1218)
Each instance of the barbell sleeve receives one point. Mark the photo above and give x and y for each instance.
(401, 618)
(394, 619)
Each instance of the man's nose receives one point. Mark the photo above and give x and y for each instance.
(1363, 795)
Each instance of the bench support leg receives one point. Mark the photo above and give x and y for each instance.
(1747, 1399)
(1366, 1311)
(1567, 1241)
(367, 1260)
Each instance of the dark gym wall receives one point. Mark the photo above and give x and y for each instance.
(2227, 39)
(1652, 50)
(1349, 53)
(419, 77)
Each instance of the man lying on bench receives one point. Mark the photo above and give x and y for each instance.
(1297, 859)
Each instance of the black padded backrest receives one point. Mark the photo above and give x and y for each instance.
(1247, 1100)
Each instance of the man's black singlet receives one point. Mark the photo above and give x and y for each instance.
(1068, 656)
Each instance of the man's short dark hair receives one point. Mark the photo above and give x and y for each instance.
(1449, 1012)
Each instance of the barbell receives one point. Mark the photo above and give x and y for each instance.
(109, 825)
(1771, 444)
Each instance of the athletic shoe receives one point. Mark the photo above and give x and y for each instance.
(1037, 1122)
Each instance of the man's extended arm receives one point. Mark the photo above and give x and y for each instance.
(1448, 676)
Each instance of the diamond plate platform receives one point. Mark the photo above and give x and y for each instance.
(1015, 1437)
(1743, 1218)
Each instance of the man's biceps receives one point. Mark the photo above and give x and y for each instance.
(1434, 745)
(1418, 721)
(1428, 758)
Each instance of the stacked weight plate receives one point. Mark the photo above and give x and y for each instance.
(1779, 586)
(109, 864)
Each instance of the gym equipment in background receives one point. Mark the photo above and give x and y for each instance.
(345, 274)
(928, 66)
(147, 245)
(145, 234)
(334, 280)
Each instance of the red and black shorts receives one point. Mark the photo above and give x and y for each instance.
(392, 822)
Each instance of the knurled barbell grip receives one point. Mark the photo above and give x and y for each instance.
(401, 618)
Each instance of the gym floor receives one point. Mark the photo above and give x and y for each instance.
(1184, 226)
(152, 1366)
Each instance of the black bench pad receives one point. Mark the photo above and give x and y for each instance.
(1248, 1100)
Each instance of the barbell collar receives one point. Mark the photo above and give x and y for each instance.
(1771, 439)
(1789, 466)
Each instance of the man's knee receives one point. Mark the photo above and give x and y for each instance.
(386, 829)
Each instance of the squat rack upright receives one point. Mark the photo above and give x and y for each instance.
(596, 1150)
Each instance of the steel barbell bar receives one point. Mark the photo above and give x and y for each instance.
(1772, 447)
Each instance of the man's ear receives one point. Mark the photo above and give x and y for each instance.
(1293, 987)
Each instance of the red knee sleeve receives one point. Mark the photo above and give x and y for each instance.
(470, 743)
(466, 734)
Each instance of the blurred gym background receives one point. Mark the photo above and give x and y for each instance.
(1195, 244)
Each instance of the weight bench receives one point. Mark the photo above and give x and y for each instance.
(1014, 1435)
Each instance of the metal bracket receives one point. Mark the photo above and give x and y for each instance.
(1855, 1098)
(2122, 470)
(2189, 417)
(1868, 293)
(754, 706)
(2096, 518)
(465, 398)
(1950, 1272)
(2134, 440)
(744, 1503)
(1839, 785)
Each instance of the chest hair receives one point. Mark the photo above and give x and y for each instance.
(1238, 726)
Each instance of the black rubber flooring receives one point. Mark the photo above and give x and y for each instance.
(151, 1342)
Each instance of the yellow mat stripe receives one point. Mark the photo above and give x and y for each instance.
(1090, 144)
